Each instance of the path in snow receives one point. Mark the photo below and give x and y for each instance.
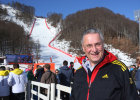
(42, 34)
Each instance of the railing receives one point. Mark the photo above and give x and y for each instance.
(60, 88)
(51, 91)
(36, 90)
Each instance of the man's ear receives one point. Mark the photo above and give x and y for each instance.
(83, 47)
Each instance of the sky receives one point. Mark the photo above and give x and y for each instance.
(66, 7)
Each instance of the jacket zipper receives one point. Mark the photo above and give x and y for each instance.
(89, 89)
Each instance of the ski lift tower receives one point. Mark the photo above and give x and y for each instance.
(137, 18)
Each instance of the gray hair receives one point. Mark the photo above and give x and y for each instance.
(92, 31)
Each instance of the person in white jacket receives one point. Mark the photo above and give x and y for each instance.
(4, 87)
(17, 79)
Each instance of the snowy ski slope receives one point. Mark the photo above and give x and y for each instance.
(44, 35)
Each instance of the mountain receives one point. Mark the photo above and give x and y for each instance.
(50, 47)
(11, 15)
(42, 36)
(119, 31)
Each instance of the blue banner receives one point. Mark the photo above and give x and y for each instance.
(19, 58)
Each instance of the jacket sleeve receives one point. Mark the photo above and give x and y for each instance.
(129, 91)
(54, 79)
(43, 78)
(10, 79)
(26, 79)
(37, 73)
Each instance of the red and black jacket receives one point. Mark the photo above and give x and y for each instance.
(110, 80)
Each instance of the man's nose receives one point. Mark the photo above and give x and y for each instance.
(93, 48)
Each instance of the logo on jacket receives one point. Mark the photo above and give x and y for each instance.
(105, 76)
(131, 81)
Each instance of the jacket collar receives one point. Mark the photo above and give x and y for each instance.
(4, 73)
(108, 57)
(17, 71)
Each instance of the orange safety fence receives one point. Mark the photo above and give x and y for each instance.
(53, 40)
(47, 24)
(32, 28)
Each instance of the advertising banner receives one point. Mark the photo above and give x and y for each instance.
(25, 59)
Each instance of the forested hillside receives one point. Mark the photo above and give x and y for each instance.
(13, 38)
(118, 30)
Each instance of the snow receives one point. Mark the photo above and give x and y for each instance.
(44, 35)
(12, 17)
(125, 58)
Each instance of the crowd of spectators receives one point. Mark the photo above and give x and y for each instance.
(14, 80)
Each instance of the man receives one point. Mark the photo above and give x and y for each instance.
(102, 76)
(72, 67)
(17, 79)
(48, 77)
(65, 76)
(4, 87)
(57, 76)
(39, 73)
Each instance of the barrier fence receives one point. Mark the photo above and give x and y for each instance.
(33, 90)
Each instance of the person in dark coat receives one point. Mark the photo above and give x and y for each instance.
(72, 67)
(39, 73)
(66, 76)
(57, 76)
(48, 77)
(102, 76)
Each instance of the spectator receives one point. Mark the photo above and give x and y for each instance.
(29, 72)
(48, 77)
(131, 68)
(137, 75)
(11, 69)
(132, 71)
(72, 67)
(65, 78)
(17, 79)
(8, 69)
(30, 76)
(4, 87)
(10, 88)
(57, 76)
(39, 73)
(102, 76)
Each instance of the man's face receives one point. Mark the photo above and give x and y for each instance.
(44, 69)
(93, 47)
(138, 64)
(56, 72)
(30, 67)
